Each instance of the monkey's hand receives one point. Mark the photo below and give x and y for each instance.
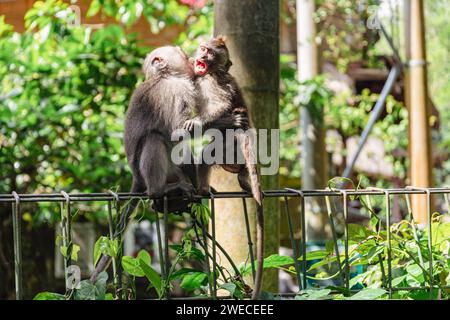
(190, 124)
(241, 121)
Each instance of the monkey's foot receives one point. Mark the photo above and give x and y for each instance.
(205, 191)
(175, 203)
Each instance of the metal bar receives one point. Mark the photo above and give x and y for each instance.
(166, 248)
(293, 244)
(394, 49)
(335, 240)
(207, 256)
(375, 114)
(17, 238)
(83, 197)
(249, 240)
(347, 262)
(303, 232)
(447, 202)
(388, 237)
(67, 236)
(430, 237)
(117, 267)
(303, 226)
(233, 265)
(413, 226)
(111, 237)
(160, 249)
(213, 234)
(377, 229)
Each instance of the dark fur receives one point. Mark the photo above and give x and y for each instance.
(160, 105)
(219, 97)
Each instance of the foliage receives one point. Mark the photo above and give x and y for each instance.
(63, 90)
(368, 248)
(158, 15)
(438, 46)
(161, 14)
(345, 113)
(343, 33)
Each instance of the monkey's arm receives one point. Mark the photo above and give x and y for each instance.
(226, 121)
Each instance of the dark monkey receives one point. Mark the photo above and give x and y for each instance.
(219, 97)
(160, 105)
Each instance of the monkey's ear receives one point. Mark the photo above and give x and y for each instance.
(221, 40)
(158, 62)
(228, 65)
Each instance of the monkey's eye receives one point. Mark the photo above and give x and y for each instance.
(203, 49)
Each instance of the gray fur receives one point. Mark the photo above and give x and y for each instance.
(160, 105)
(221, 105)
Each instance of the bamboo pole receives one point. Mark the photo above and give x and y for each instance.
(419, 113)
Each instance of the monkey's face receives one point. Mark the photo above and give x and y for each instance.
(212, 56)
(167, 60)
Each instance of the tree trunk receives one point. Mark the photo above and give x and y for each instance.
(252, 31)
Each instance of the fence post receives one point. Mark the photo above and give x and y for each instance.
(17, 238)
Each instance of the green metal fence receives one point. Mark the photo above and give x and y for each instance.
(299, 246)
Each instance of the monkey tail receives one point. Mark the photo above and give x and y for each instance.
(105, 260)
(255, 185)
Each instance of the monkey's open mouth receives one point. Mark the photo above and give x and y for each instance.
(200, 67)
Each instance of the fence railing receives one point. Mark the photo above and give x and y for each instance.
(299, 247)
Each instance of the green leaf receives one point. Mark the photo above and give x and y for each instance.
(397, 281)
(194, 253)
(132, 266)
(230, 287)
(201, 212)
(87, 291)
(152, 276)
(74, 254)
(105, 246)
(100, 286)
(440, 232)
(181, 272)
(315, 255)
(94, 8)
(368, 294)
(109, 296)
(358, 232)
(314, 294)
(273, 261)
(328, 260)
(193, 280)
(374, 252)
(49, 296)
(145, 257)
(415, 275)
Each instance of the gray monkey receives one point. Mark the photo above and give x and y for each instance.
(160, 105)
(220, 98)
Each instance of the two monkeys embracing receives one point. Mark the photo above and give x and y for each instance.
(175, 88)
